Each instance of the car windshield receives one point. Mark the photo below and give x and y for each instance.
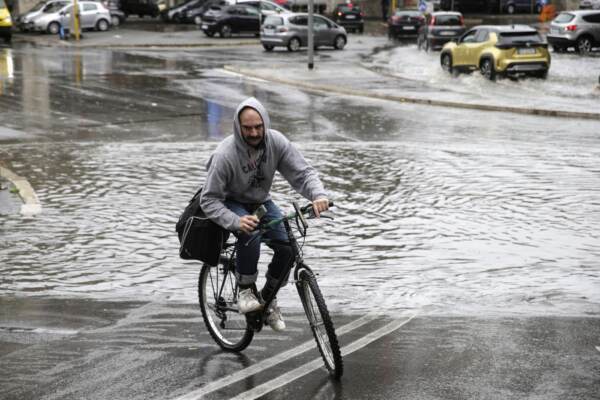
(349, 8)
(273, 20)
(448, 20)
(407, 13)
(54, 7)
(37, 7)
(564, 17)
(519, 37)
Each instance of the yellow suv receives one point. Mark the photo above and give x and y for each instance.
(498, 50)
(5, 22)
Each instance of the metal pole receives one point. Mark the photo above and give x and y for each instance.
(75, 14)
(311, 38)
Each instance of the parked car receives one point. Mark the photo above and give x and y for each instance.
(266, 8)
(350, 16)
(405, 24)
(443, 27)
(23, 19)
(117, 16)
(589, 5)
(226, 20)
(140, 8)
(514, 6)
(195, 14)
(93, 15)
(178, 13)
(5, 22)
(498, 50)
(291, 30)
(579, 29)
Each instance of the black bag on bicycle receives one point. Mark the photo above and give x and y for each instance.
(199, 237)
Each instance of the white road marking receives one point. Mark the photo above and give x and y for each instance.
(307, 368)
(264, 364)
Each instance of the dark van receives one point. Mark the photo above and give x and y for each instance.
(140, 7)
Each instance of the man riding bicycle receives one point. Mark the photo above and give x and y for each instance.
(239, 179)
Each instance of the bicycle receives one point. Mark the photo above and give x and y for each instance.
(218, 293)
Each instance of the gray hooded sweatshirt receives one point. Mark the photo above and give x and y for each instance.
(240, 172)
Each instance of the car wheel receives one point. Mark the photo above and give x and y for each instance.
(510, 9)
(225, 31)
(209, 33)
(558, 49)
(486, 67)
(339, 42)
(114, 20)
(268, 47)
(584, 45)
(294, 44)
(361, 29)
(542, 75)
(102, 25)
(53, 28)
(446, 62)
(177, 18)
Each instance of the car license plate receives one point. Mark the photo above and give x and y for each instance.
(204, 26)
(525, 50)
(408, 28)
(553, 30)
(269, 31)
(446, 33)
(350, 16)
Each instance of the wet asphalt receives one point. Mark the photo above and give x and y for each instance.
(77, 348)
(74, 349)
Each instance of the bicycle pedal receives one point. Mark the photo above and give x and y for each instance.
(254, 320)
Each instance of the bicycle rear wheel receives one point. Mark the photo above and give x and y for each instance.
(218, 295)
(320, 322)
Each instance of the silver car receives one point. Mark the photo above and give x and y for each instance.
(579, 29)
(24, 19)
(291, 30)
(93, 15)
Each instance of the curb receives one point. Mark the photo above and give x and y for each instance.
(71, 44)
(403, 99)
(31, 202)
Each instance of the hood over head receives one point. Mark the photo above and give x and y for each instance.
(262, 111)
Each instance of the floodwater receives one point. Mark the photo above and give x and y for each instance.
(438, 210)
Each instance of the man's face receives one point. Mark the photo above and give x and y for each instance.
(253, 129)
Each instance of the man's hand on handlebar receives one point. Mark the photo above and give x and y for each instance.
(320, 205)
(248, 223)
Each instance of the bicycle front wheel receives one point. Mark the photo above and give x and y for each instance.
(320, 322)
(218, 297)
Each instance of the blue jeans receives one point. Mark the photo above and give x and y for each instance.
(248, 255)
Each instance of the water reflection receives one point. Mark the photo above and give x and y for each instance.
(6, 70)
(466, 230)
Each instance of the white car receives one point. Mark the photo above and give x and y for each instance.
(589, 4)
(93, 15)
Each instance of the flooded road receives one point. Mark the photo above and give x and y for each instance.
(442, 210)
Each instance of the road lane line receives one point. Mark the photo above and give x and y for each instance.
(317, 363)
(264, 364)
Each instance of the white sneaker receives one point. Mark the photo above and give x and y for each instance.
(248, 302)
(274, 317)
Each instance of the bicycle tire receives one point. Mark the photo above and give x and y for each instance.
(322, 328)
(217, 296)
